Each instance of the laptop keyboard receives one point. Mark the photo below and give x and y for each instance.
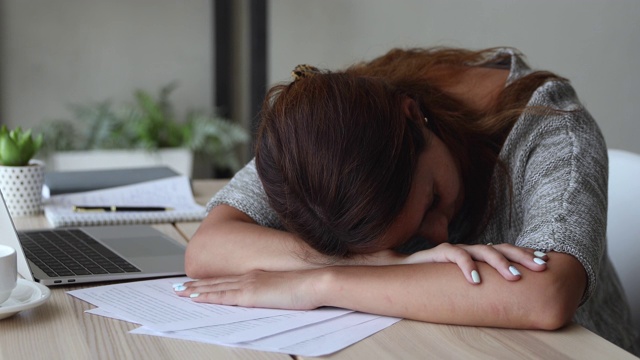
(72, 252)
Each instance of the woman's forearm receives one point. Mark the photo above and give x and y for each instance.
(437, 292)
(229, 243)
(432, 291)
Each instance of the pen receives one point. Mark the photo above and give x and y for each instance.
(80, 208)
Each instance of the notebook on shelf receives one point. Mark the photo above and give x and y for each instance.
(172, 192)
(65, 182)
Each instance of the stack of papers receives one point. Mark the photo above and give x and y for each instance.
(154, 305)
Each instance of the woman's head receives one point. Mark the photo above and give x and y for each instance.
(336, 154)
(339, 153)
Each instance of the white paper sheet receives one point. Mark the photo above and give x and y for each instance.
(105, 313)
(153, 303)
(314, 331)
(330, 343)
(245, 331)
(317, 339)
(288, 322)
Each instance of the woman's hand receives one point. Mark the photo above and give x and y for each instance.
(502, 257)
(292, 290)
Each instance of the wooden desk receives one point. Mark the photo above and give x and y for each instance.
(60, 330)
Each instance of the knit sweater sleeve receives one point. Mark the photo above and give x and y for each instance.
(245, 193)
(559, 164)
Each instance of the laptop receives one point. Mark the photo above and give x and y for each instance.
(64, 256)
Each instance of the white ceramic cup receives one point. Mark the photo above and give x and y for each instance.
(8, 271)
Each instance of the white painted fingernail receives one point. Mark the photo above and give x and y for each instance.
(475, 276)
(194, 295)
(514, 271)
(539, 261)
(179, 288)
(177, 284)
(539, 254)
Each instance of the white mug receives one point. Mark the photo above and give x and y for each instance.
(8, 271)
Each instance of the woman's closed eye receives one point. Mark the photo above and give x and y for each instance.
(435, 202)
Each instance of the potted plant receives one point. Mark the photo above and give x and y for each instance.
(145, 130)
(21, 177)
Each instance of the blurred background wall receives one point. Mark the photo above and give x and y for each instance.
(594, 43)
(53, 53)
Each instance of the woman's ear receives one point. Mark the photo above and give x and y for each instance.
(411, 109)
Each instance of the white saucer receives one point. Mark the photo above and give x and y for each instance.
(26, 295)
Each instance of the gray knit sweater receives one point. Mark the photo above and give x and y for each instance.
(558, 166)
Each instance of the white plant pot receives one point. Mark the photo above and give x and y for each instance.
(21, 187)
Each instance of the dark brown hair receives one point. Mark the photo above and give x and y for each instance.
(336, 154)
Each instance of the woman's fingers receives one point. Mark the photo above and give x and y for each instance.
(529, 258)
(213, 296)
(465, 263)
(447, 253)
(223, 291)
(507, 258)
(491, 255)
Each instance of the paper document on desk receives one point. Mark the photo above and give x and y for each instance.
(173, 192)
(154, 304)
(319, 339)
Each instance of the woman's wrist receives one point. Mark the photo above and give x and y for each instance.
(322, 285)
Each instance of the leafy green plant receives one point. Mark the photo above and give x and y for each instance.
(213, 137)
(147, 122)
(17, 147)
(154, 120)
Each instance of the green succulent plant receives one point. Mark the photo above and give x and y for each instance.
(17, 147)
